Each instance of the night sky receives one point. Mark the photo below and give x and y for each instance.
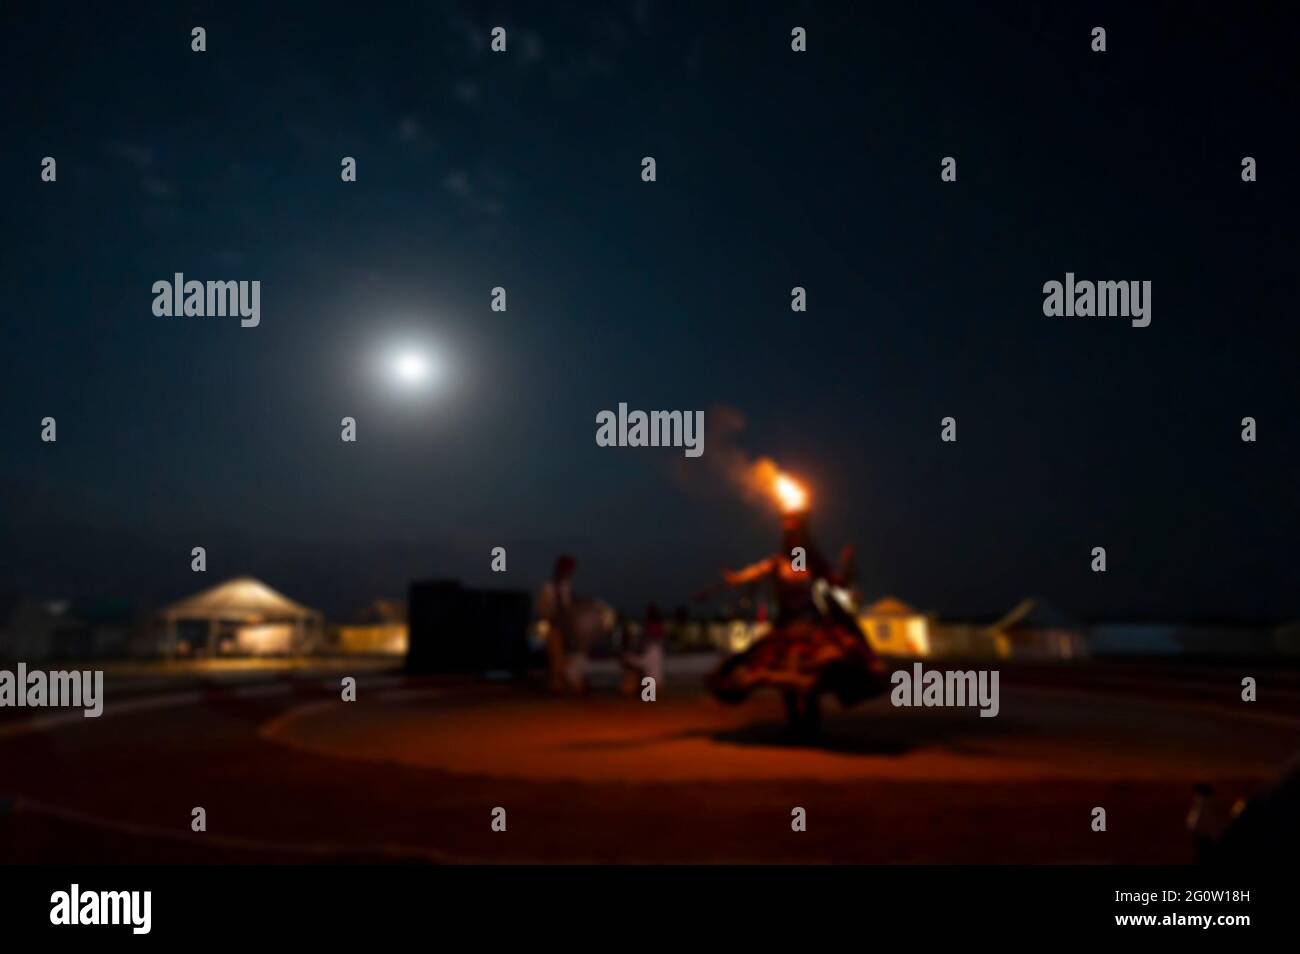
(775, 169)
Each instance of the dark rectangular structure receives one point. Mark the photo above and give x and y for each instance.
(454, 629)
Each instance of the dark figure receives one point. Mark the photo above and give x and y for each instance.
(1257, 832)
(555, 607)
(815, 645)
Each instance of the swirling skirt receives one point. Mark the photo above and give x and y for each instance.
(804, 657)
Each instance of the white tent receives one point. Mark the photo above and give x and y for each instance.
(262, 620)
(895, 628)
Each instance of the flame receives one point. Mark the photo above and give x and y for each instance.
(759, 479)
(763, 479)
(789, 493)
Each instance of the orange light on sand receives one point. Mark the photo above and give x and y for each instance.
(789, 494)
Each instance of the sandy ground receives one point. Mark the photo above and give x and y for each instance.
(411, 772)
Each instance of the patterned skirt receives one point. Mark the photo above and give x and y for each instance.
(804, 656)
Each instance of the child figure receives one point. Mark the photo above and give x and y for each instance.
(650, 660)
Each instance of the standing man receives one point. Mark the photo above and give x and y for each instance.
(555, 608)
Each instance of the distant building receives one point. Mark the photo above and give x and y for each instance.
(960, 639)
(1130, 638)
(33, 629)
(1193, 637)
(242, 616)
(378, 630)
(1035, 629)
(895, 628)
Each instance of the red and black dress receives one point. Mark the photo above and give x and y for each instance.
(815, 646)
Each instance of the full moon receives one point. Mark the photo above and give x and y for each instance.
(411, 367)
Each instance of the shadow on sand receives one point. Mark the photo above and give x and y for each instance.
(871, 732)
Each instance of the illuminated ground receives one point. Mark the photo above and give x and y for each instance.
(1040, 735)
(412, 770)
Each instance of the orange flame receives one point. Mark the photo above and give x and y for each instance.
(764, 480)
(789, 493)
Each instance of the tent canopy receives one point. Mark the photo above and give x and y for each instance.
(242, 599)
